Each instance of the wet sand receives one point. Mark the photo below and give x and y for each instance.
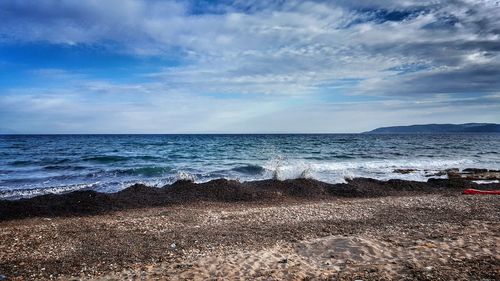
(269, 230)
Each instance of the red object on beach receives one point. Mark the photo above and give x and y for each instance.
(475, 191)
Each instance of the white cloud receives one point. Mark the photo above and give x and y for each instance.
(272, 52)
(309, 43)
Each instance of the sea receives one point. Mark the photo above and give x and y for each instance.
(33, 165)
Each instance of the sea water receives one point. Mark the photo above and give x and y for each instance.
(39, 164)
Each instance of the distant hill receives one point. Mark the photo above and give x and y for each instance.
(439, 128)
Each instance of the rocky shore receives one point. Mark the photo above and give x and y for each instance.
(266, 230)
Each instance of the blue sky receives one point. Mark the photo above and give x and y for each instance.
(246, 66)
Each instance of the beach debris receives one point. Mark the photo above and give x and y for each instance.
(3, 277)
(481, 174)
(173, 246)
(474, 170)
(471, 174)
(183, 266)
(471, 191)
(453, 173)
(429, 245)
(404, 171)
(285, 260)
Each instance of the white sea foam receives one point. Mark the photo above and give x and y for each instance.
(337, 172)
(182, 175)
(27, 193)
(486, 181)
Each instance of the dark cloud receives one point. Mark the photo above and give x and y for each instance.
(474, 79)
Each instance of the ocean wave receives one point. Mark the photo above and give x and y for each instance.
(63, 167)
(148, 157)
(117, 161)
(250, 169)
(488, 152)
(279, 168)
(106, 159)
(146, 171)
(14, 194)
(22, 163)
(338, 171)
(391, 164)
(45, 161)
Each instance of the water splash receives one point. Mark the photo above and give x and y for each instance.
(182, 175)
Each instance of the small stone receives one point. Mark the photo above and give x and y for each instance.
(173, 246)
(428, 268)
(404, 171)
(283, 261)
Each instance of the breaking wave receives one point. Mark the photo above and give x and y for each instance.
(146, 171)
(106, 159)
(250, 169)
(27, 193)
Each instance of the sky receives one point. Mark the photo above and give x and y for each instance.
(125, 66)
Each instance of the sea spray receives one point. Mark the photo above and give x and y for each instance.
(185, 176)
(274, 165)
(306, 173)
(282, 168)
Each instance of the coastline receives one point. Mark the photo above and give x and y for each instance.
(89, 202)
(265, 230)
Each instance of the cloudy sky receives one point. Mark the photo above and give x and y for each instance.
(124, 66)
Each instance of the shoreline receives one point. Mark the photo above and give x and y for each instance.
(88, 202)
(298, 229)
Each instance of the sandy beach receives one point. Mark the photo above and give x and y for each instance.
(238, 140)
(292, 230)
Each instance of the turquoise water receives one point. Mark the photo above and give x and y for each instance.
(39, 164)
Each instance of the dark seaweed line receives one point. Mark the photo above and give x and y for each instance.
(89, 202)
